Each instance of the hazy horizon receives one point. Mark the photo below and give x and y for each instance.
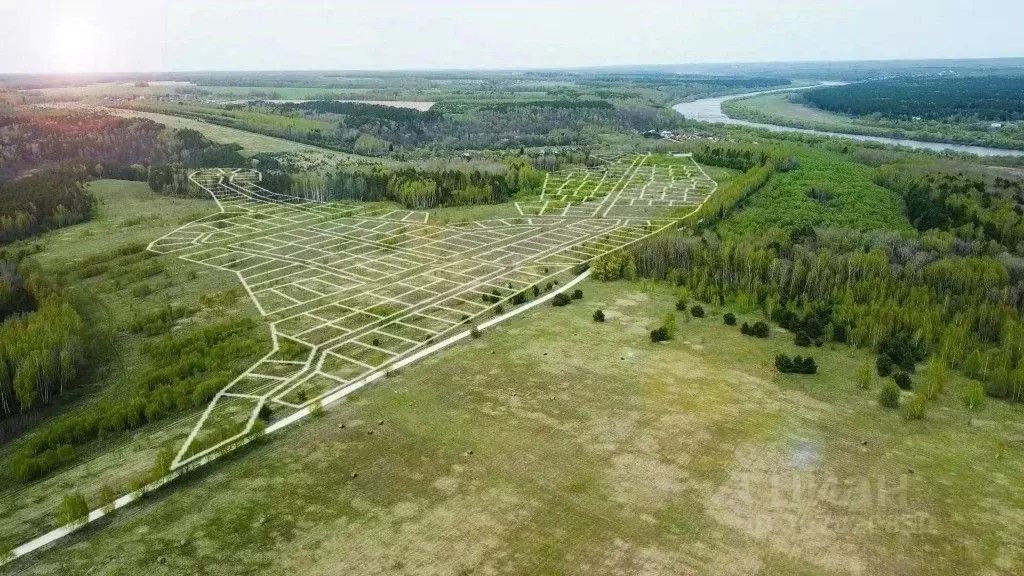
(120, 36)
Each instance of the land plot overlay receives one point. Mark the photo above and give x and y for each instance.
(350, 291)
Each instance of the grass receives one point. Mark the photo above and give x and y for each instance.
(128, 213)
(557, 445)
(782, 105)
(251, 142)
(454, 214)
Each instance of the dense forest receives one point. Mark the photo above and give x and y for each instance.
(954, 290)
(30, 139)
(57, 153)
(46, 342)
(44, 201)
(993, 98)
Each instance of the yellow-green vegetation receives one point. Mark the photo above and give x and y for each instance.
(251, 142)
(179, 330)
(559, 445)
(822, 189)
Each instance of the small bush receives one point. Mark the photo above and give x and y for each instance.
(915, 408)
(598, 316)
(681, 304)
(561, 299)
(697, 311)
(499, 310)
(889, 395)
(729, 318)
(73, 509)
(864, 377)
(758, 330)
(577, 294)
(903, 380)
(884, 366)
(659, 335)
(474, 332)
(265, 413)
(973, 395)
(107, 498)
(548, 287)
(802, 339)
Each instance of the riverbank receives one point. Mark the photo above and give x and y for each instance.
(710, 110)
(780, 109)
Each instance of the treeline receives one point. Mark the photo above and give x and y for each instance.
(418, 188)
(562, 104)
(44, 340)
(356, 113)
(868, 289)
(379, 130)
(44, 201)
(994, 98)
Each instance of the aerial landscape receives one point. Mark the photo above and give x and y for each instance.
(518, 291)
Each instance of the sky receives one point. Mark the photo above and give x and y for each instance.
(40, 36)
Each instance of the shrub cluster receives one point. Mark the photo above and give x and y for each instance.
(795, 365)
(729, 318)
(561, 299)
(759, 329)
(598, 316)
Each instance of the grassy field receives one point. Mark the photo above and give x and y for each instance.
(128, 213)
(455, 214)
(782, 105)
(250, 142)
(557, 445)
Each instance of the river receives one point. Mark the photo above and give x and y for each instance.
(710, 110)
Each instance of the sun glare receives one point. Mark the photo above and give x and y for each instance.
(73, 46)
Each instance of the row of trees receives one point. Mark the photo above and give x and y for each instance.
(418, 188)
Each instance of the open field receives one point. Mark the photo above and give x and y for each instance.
(348, 290)
(251, 142)
(782, 105)
(559, 445)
